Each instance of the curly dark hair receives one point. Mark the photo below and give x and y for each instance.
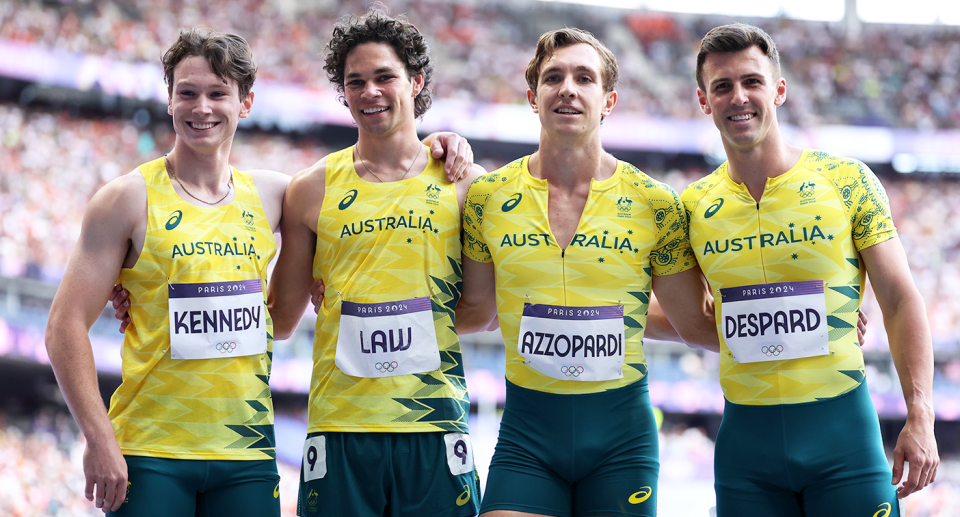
(229, 56)
(377, 27)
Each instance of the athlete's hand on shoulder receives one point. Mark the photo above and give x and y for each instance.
(455, 151)
(862, 328)
(120, 299)
(105, 469)
(316, 295)
(916, 446)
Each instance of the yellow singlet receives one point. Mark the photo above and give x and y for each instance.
(632, 227)
(809, 224)
(378, 243)
(211, 409)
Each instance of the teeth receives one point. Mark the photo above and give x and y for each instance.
(371, 111)
(568, 111)
(746, 116)
(202, 126)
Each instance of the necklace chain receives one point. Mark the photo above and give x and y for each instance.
(420, 148)
(169, 165)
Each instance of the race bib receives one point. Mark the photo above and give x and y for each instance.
(573, 343)
(387, 339)
(459, 453)
(775, 322)
(217, 319)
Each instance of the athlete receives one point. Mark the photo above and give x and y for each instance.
(379, 225)
(566, 245)
(190, 429)
(786, 238)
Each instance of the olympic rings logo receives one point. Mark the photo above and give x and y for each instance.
(386, 367)
(226, 348)
(772, 350)
(571, 371)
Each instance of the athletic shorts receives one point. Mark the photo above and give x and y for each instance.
(576, 455)
(822, 458)
(388, 474)
(161, 487)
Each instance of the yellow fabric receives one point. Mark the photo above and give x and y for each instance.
(632, 227)
(212, 409)
(382, 242)
(809, 225)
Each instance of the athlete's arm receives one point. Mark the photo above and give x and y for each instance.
(454, 150)
(477, 308)
(113, 216)
(688, 307)
(288, 291)
(905, 319)
(271, 186)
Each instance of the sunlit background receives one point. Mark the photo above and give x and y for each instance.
(82, 101)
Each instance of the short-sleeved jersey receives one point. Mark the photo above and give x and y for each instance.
(631, 227)
(211, 409)
(384, 242)
(809, 224)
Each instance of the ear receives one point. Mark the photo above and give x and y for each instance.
(170, 105)
(781, 92)
(246, 105)
(610, 100)
(702, 99)
(417, 81)
(532, 99)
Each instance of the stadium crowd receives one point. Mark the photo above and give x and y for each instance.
(890, 75)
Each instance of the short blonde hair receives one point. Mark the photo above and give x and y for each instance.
(554, 40)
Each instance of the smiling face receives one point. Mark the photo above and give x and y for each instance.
(205, 109)
(378, 90)
(742, 95)
(570, 97)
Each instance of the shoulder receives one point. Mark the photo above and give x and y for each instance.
(694, 192)
(492, 181)
(648, 187)
(122, 194)
(270, 184)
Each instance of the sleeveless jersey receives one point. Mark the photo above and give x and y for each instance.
(631, 227)
(211, 409)
(809, 224)
(378, 243)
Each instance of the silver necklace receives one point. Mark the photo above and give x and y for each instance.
(420, 148)
(169, 165)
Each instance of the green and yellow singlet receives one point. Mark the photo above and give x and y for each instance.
(809, 225)
(388, 243)
(632, 227)
(213, 408)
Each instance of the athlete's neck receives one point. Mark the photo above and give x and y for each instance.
(209, 172)
(390, 156)
(568, 163)
(752, 166)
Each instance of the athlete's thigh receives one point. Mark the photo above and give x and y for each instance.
(433, 476)
(160, 487)
(750, 470)
(243, 488)
(344, 475)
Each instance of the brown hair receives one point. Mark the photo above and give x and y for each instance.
(554, 40)
(734, 38)
(375, 26)
(229, 56)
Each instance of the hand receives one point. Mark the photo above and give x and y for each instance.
(107, 470)
(316, 295)
(456, 152)
(862, 328)
(918, 447)
(119, 297)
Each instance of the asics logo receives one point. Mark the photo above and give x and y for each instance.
(226, 348)
(713, 209)
(464, 496)
(276, 491)
(347, 201)
(641, 496)
(512, 202)
(387, 366)
(772, 350)
(174, 220)
(571, 371)
(884, 510)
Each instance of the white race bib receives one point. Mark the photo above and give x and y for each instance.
(573, 343)
(775, 322)
(217, 319)
(387, 339)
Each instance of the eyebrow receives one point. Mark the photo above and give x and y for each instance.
(744, 76)
(381, 70)
(580, 68)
